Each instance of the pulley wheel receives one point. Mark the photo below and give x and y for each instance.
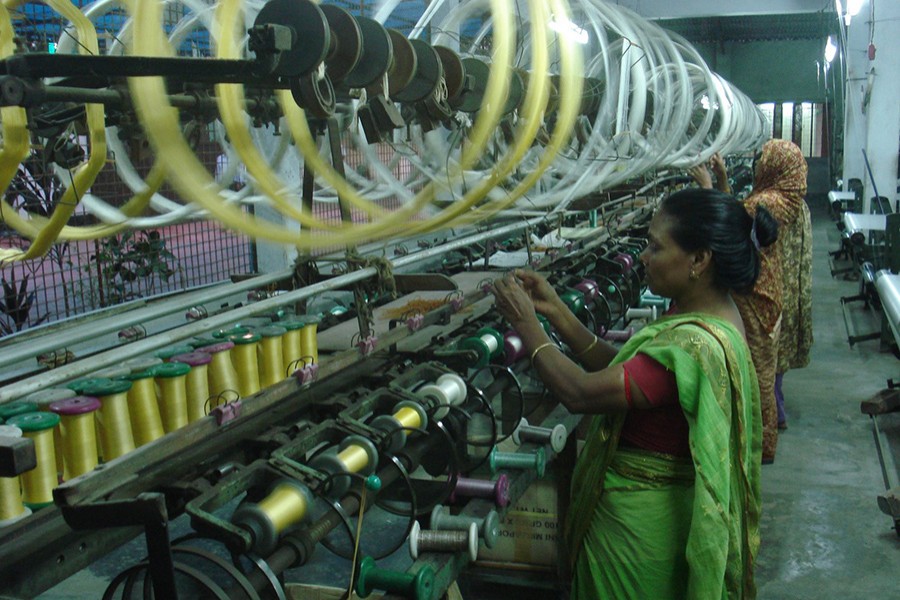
(454, 72)
(311, 39)
(403, 63)
(376, 54)
(470, 100)
(346, 42)
(516, 92)
(427, 76)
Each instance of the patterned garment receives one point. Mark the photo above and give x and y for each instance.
(796, 338)
(649, 525)
(780, 186)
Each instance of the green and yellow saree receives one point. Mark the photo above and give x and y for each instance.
(646, 525)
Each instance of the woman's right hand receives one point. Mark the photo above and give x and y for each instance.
(546, 300)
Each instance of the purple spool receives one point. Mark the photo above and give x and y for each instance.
(479, 488)
(590, 289)
(216, 348)
(619, 335)
(194, 359)
(626, 260)
(77, 405)
(513, 348)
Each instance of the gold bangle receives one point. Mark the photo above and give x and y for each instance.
(589, 348)
(541, 347)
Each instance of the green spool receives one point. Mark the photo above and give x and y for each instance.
(574, 300)
(419, 586)
(11, 409)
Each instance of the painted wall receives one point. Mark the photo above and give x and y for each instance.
(771, 71)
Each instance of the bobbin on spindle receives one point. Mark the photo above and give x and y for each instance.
(513, 348)
(649, 313)
(245, 361)
(449, 390)
(271, 355)
(78, 434)
(488, 527)
(113, 417)
(171, 378)
(487, 344)
(355, 454)
(196, 382)
(418, 586)
(38, 483)
(498, 490)
(407, 415)
(536, 460)
(284, 507)
(555, 436)
(430, 540)
(12, 509)
(618, 335)
(143, 408)
(653, 300)
(590, 289)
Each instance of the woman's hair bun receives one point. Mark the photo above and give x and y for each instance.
(766, 227)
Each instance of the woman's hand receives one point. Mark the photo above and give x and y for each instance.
(701, 175)
(512, 300)
(546, 300)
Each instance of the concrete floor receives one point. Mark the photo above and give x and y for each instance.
(823, 535)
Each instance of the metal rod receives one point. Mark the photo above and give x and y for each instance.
(53, 339)
(120, 353)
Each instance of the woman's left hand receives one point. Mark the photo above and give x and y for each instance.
(512, 300)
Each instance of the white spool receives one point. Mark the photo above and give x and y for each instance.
(649, 313)
(449, 390)
(491, 342)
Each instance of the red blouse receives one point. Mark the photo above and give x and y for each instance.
(662, 428)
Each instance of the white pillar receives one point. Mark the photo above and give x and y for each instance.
(883, 110)
(272, 257)
(857, 64)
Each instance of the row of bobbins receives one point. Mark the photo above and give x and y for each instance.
(120, 408)
(286, 504)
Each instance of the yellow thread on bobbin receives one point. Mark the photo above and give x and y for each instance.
(271, 355)
(44, 399)
(284, 506)
(309, 345)
(408, 418)
(11, 506)
(354, 458)
(79, 437)
(113, 420)
(222, 376)
(291, 351)
(246, 365)
(196, 383)
(143, 409)
(38, 483)
(170, 381)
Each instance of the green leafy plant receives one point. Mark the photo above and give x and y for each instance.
(16, 305)
(130, 265)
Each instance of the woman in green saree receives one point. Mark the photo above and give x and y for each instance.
(665, 494)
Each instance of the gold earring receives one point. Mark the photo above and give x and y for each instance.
(693, 275)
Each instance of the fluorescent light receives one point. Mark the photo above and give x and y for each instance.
(570, 29)
(853, 7)
(830, 49)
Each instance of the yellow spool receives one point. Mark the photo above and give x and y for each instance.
(222, 376)
(143, 409)
(285, 506)
(79, 438)
(113, 418)
(171, 380)
(354, 458)
(243, 357)
(11, 506)
(44, 399)
(408, 418)
(197, 388)
(271, 355)
(309, 346)
(196, 383)
(291, 350)
(38, 483)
